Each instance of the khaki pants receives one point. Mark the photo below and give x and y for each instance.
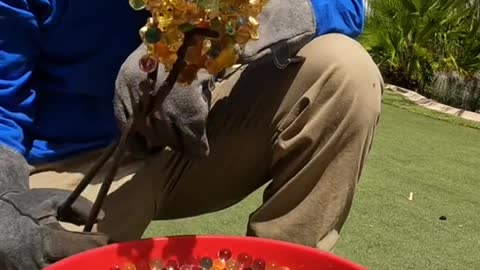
(306, 129)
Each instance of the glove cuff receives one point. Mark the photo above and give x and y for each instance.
(14, 171)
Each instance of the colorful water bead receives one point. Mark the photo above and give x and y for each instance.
(197, 267)
(116, 267)
(206, 263)
(224, 254)
(152, 35)
(233, 265)
(156, 264)
(258, 264)
(219, 264)
(188, 74)
(171, 265)
(243, 35)
(137, 4)
(186, 267)
(147, 63)
(244, 259)
(129, 266)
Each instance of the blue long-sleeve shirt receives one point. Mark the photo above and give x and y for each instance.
(59, 60)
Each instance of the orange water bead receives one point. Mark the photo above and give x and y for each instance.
(179, 4)
(161, 51)
(129, 266)
(155, 4)
(164, 21)
(243, 35)
(227, 58)
(188, 74)
(169, 61)
(255, 7)
(233, 265)
(173, 39)
(201, 60)
(155, 265)
(202, 24)
(193, 54)
(212, 66)
(219, 264)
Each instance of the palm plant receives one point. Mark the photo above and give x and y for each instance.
(411, 40)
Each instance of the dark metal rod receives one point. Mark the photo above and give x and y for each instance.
(118, 147)
(107, 181)
(66, 207)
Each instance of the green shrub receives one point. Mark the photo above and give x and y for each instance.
(431, 46)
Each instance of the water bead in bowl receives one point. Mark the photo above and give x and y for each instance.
(171, 265)
(186, 267)
(156, 265)
(233, 265)
(258, 264)
(244, 259)
(206, 263)
(224, 261)
(219, 264)
(225, 254)
(129, 266)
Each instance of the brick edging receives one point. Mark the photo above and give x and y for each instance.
(433, 105)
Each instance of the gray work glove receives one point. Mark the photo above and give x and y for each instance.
(31, 237)
(180, 123)
(285, 27)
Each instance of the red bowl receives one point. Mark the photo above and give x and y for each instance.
(189, 249)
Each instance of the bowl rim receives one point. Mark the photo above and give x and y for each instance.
(279, 243)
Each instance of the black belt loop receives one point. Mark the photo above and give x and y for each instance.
(281, 54)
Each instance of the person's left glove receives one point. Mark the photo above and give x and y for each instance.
(181, 121)
(31, 236)
(285, 28)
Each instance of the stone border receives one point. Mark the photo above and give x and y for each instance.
(433, 105)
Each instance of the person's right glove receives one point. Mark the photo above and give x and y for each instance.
(31, 236)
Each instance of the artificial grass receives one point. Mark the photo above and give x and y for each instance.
(437, 160)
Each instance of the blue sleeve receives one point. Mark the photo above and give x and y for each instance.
(339, 16)
(18, 50)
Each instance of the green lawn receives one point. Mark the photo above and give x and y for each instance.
(435, 157)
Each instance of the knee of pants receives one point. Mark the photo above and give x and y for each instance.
(347, 76)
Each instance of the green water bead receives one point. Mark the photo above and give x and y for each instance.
(153, 35)
(137, 4)
(216, 24)
(186, 27)
(209, 4)
(230, 29)
(206, 263)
